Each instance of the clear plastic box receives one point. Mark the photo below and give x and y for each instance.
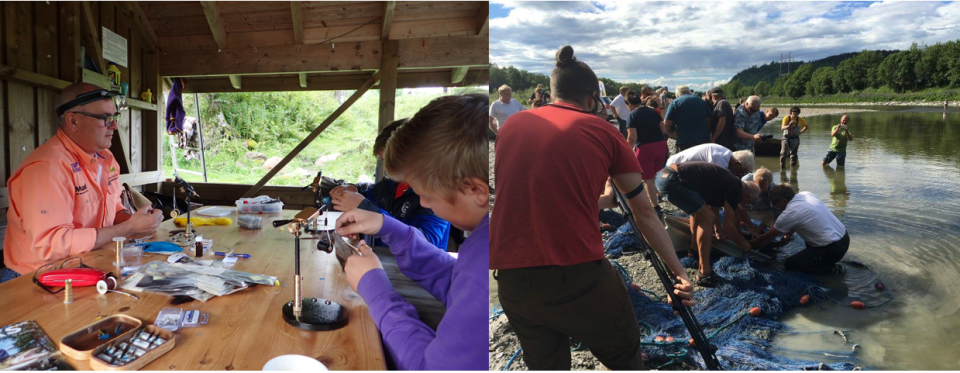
(259, 205)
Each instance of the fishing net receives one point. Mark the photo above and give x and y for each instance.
(743, 341)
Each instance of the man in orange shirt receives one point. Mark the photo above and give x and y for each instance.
(65, 197)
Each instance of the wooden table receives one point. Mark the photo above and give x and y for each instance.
(246, 328)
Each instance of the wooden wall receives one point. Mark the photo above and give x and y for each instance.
(45, 39)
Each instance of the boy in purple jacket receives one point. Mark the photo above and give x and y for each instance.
(442, 152)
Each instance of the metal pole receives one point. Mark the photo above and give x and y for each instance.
(203, 152)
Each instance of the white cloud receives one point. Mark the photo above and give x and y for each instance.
(703, 43)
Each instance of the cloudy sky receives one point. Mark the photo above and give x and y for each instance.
(703, 44)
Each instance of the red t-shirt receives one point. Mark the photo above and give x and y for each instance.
(551, 166)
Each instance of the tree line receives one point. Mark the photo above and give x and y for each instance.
(523, 82)
(918, 68)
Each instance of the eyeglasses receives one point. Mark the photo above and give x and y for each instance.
(108, 120)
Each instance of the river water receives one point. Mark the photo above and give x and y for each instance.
(899, 198)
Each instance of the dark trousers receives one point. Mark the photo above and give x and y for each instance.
(622, 125)
(819, 260)
(588, 302)
(788, 148)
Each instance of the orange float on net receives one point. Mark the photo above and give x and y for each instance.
(805, 299)
(669, 339)
(692, 343)
(755, 311)
(659, 339)
(857, 305)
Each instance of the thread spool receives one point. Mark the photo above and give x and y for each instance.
(68, 292)
(119, 241)
(298, 297)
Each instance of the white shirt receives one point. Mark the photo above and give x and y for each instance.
(713, 153)
(812, 220)
(621, 105)
(501, 111)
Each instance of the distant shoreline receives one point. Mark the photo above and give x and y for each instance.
(952, 104)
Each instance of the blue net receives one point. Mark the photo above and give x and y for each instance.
(743, 342)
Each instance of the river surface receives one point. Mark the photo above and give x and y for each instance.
(899, 198)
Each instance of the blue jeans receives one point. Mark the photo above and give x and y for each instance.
(622, 126)
(841, 157)
(7, 275)
(669, 184)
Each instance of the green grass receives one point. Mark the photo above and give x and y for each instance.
(278, 129)
(873, 95)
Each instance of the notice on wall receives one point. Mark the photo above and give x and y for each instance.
(114, 47)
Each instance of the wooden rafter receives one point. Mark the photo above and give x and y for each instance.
(316, 132)
(458, 73)
(91, 36)
(139, 24)
(212, 11)
(297, 22)
(387, 19)
(291, 83)
(235, 81)
(446, 52)
(483, 20)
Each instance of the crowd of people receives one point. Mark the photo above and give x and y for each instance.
(553, 161)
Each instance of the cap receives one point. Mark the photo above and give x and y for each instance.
(716, 91)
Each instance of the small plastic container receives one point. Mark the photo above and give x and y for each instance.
(259, 205)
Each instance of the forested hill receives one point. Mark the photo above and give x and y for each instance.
(769, 72)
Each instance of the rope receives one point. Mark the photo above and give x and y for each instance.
(510, 362)
(496, 312)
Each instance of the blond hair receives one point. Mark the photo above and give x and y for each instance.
(745, 157)
(683, 90)
(752, 189)
(442, 145)
(503, 88)
(762, 175)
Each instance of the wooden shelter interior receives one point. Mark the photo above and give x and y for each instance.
(224, 46)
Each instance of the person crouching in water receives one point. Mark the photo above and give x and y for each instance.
(545, 244)
(442, 151)
(698, 188)
(825, 236)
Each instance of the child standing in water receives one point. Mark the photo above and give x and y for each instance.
(838, 147)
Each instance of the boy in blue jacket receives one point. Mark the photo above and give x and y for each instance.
(392, 198)
(443, 153)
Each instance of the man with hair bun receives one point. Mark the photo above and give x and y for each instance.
(442, 152)
(546, 249)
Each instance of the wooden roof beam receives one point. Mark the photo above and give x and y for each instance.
(332, 82)
(387, 19)
(212, 12)
(297, 22)
(235, 81)
(483, 20)
(139, 24)
(449, 52)
(458, 74)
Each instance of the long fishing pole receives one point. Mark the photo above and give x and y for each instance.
(696, 331)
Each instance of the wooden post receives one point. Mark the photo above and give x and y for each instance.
(203, 151)
(152, 121)
(316, 132)
(388, 90)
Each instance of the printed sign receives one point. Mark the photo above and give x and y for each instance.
(114, 47)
